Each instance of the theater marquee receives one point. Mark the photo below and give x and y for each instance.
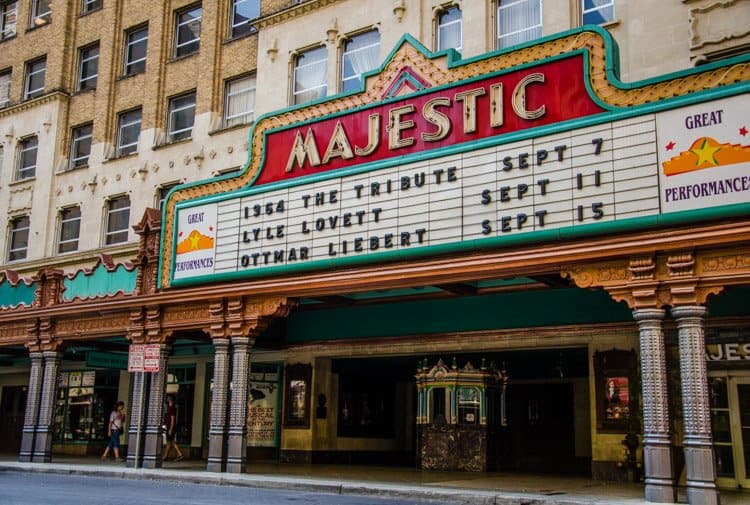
(492, 151)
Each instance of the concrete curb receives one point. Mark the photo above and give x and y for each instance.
(463, 496)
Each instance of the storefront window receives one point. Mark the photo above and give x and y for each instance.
(181, 387)
(84, 401)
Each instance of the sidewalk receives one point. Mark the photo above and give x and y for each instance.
(404, 483)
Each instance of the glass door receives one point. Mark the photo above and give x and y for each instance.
(730, 423)
(741, 428)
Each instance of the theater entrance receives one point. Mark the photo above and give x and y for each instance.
(540, 434)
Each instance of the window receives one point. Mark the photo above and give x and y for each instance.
(41, 12)
(27, 158)
(128, 132)
(135, 50)
(188, 31)
(518, 21)
(162, 194)
(449, 33)
(596, 12)
(5, 88)
(310, 75)
(18, 241)
(8, 16)
(244, 11)
(361, 54)
(240, 101)
(181, 117)
(35, 71)
(88, 58)
(118, 216)
(80, 146)
(70, 229)
(91, 5)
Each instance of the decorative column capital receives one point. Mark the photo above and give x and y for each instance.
(685, 312)
(646, 315)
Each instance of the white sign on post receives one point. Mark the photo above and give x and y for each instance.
(143, 358)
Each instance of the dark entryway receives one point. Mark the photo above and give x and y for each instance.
(12, 408)
(540, 433)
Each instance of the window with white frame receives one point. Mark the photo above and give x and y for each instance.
(239, 105)
(136, 44)
(449, 32)
(80, 145)
(518, 21)
(188, 31)
(41, 12)
(70, 229)
(91, 5)
(597, 12)
(361, 54)
(162, 193)
(18, 238)
(310, 75)
(5, 88)
(35, 72)
(181, 117)
(117, 221)
(27, 151)
(8, 19)
(128, 132)
(244, 11)
(88, 67)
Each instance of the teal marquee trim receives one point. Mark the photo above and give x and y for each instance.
(105, 279)
(16, 291)
(454, 60)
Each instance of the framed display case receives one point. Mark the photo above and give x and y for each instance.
(297, 385)
(84, 401)
(616, 401)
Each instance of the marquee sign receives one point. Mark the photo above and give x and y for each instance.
(490, 152)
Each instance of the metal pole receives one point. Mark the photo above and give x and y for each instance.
(140, 422)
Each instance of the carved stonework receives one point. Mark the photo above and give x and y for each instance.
(642, 269)
(699, 456)
(681, 265)
(185, 315)
(717, 26)
(49, 289)
(598, 275)
(149, 229)
(92, 325)
(738, 262)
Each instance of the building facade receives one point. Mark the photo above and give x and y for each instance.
(370, 193)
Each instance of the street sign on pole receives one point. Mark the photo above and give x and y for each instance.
(143, 358)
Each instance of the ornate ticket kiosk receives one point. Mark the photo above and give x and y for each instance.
(459, 416)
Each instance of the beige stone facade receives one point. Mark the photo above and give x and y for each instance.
(653, 41)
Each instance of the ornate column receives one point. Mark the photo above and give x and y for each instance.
(217, 432)
(43, 440)
(699, 452)
(237, 430)
(137, 418)
(32, 406)
(152, 447)
(657, 444)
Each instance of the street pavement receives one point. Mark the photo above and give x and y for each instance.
(366, 482)
(46, 489)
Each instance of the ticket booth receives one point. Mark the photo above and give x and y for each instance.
(460, 415)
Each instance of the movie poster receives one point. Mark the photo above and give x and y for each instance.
(617, 399)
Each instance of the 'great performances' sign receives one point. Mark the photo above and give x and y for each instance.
(429, 170)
